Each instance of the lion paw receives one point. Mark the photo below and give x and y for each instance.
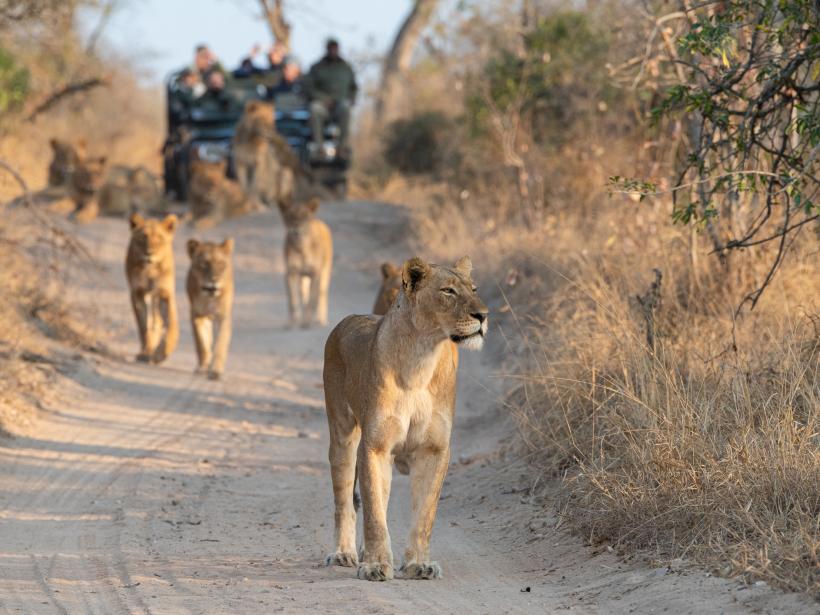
(213, 375)
(422, 570)
(340, 558)
(143, 358)
(375, 571)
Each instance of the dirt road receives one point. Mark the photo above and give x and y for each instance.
(152, 490)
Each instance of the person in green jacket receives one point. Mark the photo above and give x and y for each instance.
(331, 87)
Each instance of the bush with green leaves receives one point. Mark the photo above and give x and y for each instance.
(14, 83)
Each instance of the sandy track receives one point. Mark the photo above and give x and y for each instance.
(152, 490)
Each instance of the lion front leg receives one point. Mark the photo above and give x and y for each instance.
(203, 340)
(141, 312)
(223, 341)
(375, 473)
(294, 283)
(168, 316)
(427, 472)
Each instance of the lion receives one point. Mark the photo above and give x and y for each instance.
(86, 181)
(265, 164)
(149, 268)
(210, 294)
(129, 190)
(215, 197)
(308, 263)
(65, 158)
(391, 284)
(390, 390)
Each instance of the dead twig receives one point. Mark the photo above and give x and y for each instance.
(74, 246)
(66, 91)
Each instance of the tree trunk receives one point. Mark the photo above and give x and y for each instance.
(401, 54)
(275, 16)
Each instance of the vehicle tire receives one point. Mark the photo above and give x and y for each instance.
(340, 190)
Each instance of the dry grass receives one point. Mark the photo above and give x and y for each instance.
(706, 448)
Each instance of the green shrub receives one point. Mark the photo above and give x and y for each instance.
(417, 145)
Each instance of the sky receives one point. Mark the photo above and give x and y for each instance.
(160, 35)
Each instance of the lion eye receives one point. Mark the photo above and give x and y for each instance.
(449, 291)
(475, 289)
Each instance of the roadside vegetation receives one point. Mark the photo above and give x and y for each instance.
(54, 82)
(639, 183)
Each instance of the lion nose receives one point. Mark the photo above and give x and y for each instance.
(480, 316)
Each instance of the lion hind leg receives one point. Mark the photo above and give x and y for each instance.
(345, 434)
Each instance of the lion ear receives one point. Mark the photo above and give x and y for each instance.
(170, 223)
(136, 221)
(227, 245)
(55, 144)
(312, 205)
(464, 266)
(389, 270)
(414, 272)
(192, 245)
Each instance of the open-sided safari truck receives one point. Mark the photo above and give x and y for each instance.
(203, 128)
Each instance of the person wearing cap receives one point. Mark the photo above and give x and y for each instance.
(331, 87)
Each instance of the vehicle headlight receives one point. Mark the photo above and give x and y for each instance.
(329, 149)
(212, 152)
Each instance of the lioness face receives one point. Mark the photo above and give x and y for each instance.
(391, 284)
(447, 297)
(259, 111)
(213, 172)
(89, 176)
(153, 238)
(296, 214)
(210, 264)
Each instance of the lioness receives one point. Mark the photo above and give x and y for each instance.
(129, 190)
(213, 196)
(149, 267)
(65, 158)
(390, 390)
(265, 163)
(308, 263)
(84, 187)
(210, 293)
(391, 283)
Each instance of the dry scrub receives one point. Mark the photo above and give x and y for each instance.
(705, 448)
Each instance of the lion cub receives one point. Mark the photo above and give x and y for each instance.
(265, 163)
(215, 197)
(210, 293)
(391, 284)
(308, 263)
(149, 268)
(390, 391)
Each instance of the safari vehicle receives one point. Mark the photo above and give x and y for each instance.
(203, 129)
(293, 123)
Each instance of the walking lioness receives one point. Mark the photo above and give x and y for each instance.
(149, 267)
(390, 390)
(210, 293)
(308, 263)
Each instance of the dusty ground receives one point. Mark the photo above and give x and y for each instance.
(152, 490)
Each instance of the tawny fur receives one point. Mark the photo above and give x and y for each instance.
(390, 390)
(128, 190)
(265, 164)
(65, 156)
(214, 197)
(84, 187)
(308, 264)
(210, 294)
(391, 284)
(149, 268)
